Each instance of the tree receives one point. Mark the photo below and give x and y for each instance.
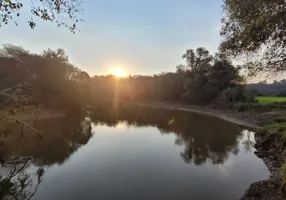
(59, 82)
(197, 65)
(62, 12)
(12, 51)
(59, 55)
(205, 76)
(255, 29)
(195, 59)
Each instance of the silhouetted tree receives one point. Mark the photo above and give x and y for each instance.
(61, 12)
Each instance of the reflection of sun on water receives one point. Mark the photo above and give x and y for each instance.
(118, 72)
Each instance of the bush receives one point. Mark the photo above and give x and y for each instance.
(241, 107)
(249, 96)
(229, 97)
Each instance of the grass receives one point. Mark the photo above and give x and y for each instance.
(268, 100)
(275, 127)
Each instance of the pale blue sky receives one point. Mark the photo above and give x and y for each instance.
(143, 36)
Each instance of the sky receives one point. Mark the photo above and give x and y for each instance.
(139, 36)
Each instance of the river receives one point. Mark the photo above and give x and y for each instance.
(139, 153)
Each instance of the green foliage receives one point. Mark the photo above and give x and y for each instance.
(204, 81)
(61, 12)
(241, 107)
(255, 29)
(58, 83)
(229, 97)
(196, 59)
(275, 128)
(268, 100)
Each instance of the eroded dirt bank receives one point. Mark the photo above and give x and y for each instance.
(271, 149)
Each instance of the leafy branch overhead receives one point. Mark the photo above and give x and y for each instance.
(62, 12)
(255, 30)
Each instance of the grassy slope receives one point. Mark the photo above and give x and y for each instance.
(265, 100)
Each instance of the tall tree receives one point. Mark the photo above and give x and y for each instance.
(62, 12)
(255, 29)
(194, 59)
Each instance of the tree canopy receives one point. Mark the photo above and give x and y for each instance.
(59, 83)
(61, 12)
(255, 29)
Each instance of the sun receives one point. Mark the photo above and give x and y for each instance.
(118, 72)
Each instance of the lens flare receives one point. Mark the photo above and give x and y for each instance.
(118, 72)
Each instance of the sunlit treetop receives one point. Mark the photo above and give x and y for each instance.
(64, 13)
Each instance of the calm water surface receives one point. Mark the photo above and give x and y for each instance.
(141, 153)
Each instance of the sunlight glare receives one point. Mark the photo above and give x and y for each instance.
(118, 72)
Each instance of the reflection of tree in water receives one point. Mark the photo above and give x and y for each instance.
(205, 138)
(61, 137)
(16, 183)
(248, 143)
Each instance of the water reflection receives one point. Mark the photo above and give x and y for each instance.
(61, 137)
(132, 152)
(248, 143)
(205, 138)
(18, 183)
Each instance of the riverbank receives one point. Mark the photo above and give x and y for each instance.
(248, 119)
(270, 146)
(271, 149)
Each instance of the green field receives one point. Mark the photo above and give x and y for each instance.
(265, 100)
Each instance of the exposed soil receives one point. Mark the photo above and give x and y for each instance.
(271, 149)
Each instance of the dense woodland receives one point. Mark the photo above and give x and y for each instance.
(49, 79)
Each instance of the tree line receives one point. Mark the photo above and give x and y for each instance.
(203, 80)
(277, 88)
(53, 81)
